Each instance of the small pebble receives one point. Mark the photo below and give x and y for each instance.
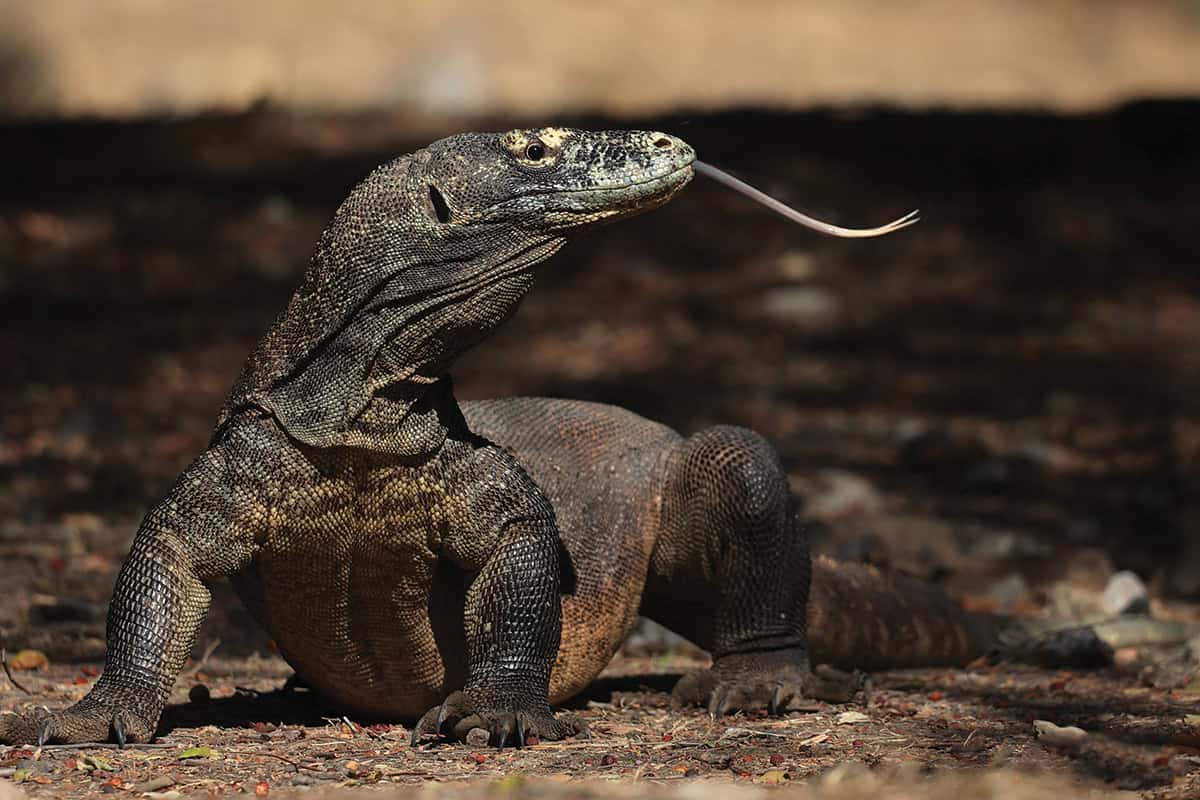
(1057, 736)
(1126, 594)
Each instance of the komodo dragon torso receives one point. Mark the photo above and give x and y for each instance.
(402, 556)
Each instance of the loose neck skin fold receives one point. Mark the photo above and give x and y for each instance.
(427, 256)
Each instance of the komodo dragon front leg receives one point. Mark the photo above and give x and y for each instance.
(202, 531)
(503, 535)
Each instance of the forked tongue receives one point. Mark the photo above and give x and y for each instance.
(795, 216)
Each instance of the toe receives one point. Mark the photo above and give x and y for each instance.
(463, 719)
(21, 728)
(694, 689)
(834, 686)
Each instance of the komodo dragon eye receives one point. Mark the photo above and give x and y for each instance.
(535, 151)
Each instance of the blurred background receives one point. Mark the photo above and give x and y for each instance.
(1005, 398)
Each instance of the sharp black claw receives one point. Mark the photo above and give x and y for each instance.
(716, 708)
(412, 740)
(119, 730)
(520, 733)
(773, 703)
(43, 732)
(441, 717)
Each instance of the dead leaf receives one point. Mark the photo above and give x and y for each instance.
(27, 660)
(90, 762)
(773, 776)
(203, 751)
(852, 717)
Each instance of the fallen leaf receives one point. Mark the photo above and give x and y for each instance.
(851, 717)
(203, 751)
(26, 660)
(94, 762)
(773, 776)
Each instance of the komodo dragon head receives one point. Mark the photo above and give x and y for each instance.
(426, 257)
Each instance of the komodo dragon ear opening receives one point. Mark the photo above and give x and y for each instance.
(720, 176)
(440, 209)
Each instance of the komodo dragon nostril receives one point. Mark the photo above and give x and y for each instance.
(663, 141)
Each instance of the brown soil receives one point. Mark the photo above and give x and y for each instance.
(1013, 382)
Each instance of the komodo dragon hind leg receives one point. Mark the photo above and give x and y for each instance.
(731, 572)
(161, 597)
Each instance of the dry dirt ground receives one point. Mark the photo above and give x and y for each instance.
(1001, 399)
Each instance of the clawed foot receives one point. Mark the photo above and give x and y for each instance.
(86, 721)
(465, 718)
(775, 681)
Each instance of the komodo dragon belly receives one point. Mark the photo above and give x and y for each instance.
(347, 582)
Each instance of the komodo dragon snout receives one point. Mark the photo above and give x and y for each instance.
(553, 180)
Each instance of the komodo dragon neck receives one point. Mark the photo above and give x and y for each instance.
(425, 258)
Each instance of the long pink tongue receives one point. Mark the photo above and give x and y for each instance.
(795, 216)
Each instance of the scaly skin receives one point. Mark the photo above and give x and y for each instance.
(396, 557)
(701, 534)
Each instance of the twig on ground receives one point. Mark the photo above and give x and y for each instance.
(295, 765)
(8, 672)
(109, 746)
(199, 665)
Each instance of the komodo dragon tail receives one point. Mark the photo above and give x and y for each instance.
(860, 617)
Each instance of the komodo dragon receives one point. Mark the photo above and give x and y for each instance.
(401, 556)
